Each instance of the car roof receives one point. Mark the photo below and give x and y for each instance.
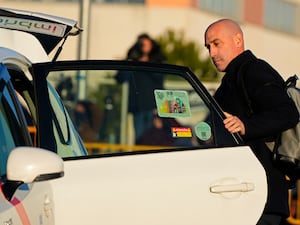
(49, 30)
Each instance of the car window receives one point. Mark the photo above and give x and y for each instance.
(129, 110)
(60, 118)
(7, 140)
(24, 91)
(10, 129)
(68, 144)
(63, 136)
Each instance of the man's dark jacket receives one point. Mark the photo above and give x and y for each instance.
(273, 112)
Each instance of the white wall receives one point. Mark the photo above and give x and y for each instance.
(114, 27)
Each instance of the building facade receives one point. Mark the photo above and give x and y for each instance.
(271, 27)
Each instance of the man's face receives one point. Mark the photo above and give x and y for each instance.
(222, 46)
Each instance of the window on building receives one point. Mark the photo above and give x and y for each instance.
(229, 8)
(124, 1)
(103, 1)
(280, 15)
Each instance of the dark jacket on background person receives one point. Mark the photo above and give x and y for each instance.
(142, 84)
(273, 112)
(141, 89)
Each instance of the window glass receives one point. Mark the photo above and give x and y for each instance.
(125, 110)
(10, 130)
(224, 7)
(103, 1)
(60, 118)
(280, 15)
(123, 1)
(24, 91)
(7, 141)
(67, 142)
(30, 115)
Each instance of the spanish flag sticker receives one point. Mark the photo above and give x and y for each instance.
(178, 132)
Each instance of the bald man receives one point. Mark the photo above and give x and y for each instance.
(271, 110)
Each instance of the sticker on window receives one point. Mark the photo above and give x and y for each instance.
(172, 103)
(178, 132)
(203, 131)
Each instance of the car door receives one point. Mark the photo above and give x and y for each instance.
(204, 175)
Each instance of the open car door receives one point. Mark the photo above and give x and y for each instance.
(203, 175)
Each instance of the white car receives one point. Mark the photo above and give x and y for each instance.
(202, 175)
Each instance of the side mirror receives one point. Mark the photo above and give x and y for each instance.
(29, 164)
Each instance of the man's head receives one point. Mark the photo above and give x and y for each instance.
(224, 41)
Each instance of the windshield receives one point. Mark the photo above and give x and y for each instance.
(68, 144)
(11, 129)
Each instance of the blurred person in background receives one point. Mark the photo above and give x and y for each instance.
(141, 102)
(88, 119)
(146, 49)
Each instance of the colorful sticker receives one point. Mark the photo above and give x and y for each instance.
(203, 131)
(178, 132)
(172, 103)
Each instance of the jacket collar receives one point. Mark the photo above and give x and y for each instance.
(238, 61)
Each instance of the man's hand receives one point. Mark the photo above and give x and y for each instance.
(233, 124)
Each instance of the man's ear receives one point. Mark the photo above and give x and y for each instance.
(238, 40)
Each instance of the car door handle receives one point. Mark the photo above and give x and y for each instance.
(242, 187)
